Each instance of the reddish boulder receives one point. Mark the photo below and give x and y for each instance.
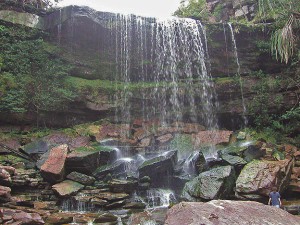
(164, 138)
(5, 178)
(28, 218)
(228, 212)
(20, 217)
(53, 170)
(5, 194)
(213, 137)
(258, 177)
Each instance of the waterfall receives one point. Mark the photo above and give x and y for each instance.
(59, 28)
(170, 56)
(238, 73)
(159, 198)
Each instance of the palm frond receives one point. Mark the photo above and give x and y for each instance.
(283, 41)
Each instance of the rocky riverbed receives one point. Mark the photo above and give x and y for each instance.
(107, 177)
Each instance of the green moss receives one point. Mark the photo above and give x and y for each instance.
(95, 147)
(217, 13)
(152, 161)
(183, 143)
(224, 80)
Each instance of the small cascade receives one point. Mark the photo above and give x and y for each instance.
(73, 205)
(238, 73)
(189, 165)
(59, 27)
(131, 166)
(159, 198)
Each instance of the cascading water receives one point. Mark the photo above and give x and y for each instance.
(160, 198)
(172, 55)
(238, 73)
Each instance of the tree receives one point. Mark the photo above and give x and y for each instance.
(286, 16)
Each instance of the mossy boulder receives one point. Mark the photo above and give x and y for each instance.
(213, 184)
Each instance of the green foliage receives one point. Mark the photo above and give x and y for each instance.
(264, 99)
(286, 17)
(194, 9)
(31, 78)
(183, 143)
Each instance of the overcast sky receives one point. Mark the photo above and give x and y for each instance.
(153, 8)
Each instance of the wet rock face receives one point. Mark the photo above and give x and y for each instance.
(159, 167)
(83, 162)
(227, 212)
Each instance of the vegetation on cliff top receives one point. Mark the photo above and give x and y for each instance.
(32, 80)
(283, 14)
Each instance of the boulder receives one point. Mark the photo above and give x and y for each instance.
(37, 147)
(5, 194)
(141, 218)
(112, 197)
(135, 205)
(5, 176)
(127, 186)
(117, 167)
(60, 218)
(81, 178)
(105, 218)
(83, 161)
(28, 218)
(215, 183)
(254, 152)
(234, 160)
(228, 212)
(77, 142)
(241, 135)
(211, 137)
(53, 170)
(258, 177)
(164, 138)
(158, 167)
(67, 188)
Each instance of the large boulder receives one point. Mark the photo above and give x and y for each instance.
(213, 137)
(234, 160)
(67, 188)
(254, 152)
(81, 178)
(127, 186)
(5, 174)
(258, 177)
(36, 147)
(228, 212)
(118, 167)
(83, 161)
(53, 170)
(158, 167)
(215, 183)
(5, 194)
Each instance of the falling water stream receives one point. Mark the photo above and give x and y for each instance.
(238, 73)
(171, 54)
